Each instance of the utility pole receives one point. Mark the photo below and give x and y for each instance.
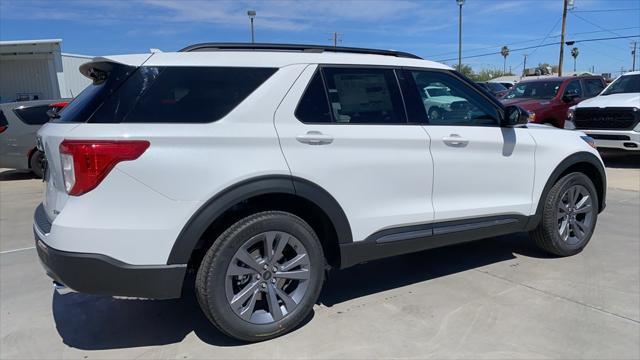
(524, 66)
(564, 22)
(335, 38)
(633, 54)
(460, 3)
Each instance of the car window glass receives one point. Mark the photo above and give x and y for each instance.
(573, 88)
(624, 84)
(364, 96)
(593, 87)
(181, 94)
(314, 106)
(33, 115)
(534, 90)
(449, 101)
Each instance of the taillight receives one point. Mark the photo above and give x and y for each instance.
(59, 105)
(3, 128)
(85, 163)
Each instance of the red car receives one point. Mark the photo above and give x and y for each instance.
(549, 98)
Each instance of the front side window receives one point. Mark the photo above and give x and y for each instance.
(573, 88)
(624, 84)
(534, 90)
(364, 96)
(180, 94)
(449, 101)
(593, 87)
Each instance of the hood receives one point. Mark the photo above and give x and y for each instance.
(445, 99)
(613, 100)
(527, 103)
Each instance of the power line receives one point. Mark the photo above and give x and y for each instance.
(605, 10)
(543, 45)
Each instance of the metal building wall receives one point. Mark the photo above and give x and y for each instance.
(74, 81)
(32, 74)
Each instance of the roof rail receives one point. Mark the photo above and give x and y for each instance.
(293, 47)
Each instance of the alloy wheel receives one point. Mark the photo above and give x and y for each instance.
(575, 215)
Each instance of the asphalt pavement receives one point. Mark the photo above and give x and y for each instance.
(495, 298)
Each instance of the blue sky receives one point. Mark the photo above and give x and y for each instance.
(425, 27)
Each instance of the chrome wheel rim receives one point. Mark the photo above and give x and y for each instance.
(575, 215)
(267, 277)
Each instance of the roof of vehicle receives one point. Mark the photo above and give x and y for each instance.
(559, 78)
(631, 73)
(267, 57)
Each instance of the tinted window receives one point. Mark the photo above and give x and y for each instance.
(496, 86)
(448, 100)
(593, 87)
(3, 120)
(534, 90)
(573, 88)
(181, 94)
(33, 115)
(624, 84)
(314, 106)
(364, 96)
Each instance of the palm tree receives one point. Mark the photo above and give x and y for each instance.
(574, 54)
(505, 52)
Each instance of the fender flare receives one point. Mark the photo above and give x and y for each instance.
(573, 159)
(262, 185)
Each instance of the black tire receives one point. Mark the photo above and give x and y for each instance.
(211, 276)
(35, 163)
(547, 234)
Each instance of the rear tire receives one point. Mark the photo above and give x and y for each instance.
(35, 163)
(569, 216)
(253, 291)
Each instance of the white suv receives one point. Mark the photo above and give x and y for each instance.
(258, 167)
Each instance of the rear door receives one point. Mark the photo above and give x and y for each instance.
(345, 129)
(480, 168)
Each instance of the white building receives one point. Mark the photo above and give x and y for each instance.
(37, 69)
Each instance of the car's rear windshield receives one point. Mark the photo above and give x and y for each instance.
(534, 90)
(496, 86)
(624, 84)
(155, 94)
(33, 115)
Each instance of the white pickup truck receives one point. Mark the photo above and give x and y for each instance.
(612, 118)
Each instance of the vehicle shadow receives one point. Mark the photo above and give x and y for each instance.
(620, 159)
(95, 322)
(12, 175)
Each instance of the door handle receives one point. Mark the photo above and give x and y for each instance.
(315, 138)
(455, 140)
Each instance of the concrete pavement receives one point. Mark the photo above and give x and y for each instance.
(496, 298)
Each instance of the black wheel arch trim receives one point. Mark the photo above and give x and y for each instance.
(571, 160)
(244, 190)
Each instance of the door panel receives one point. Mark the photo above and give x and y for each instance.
(380, 174)
(480, 169)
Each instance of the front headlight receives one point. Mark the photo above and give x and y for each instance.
(589, 140)
(568, 123)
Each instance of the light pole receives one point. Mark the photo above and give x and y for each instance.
(252, 15)
(460, 3)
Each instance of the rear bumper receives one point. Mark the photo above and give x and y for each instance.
(102, 275)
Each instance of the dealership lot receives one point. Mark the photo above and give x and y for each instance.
(497, 298)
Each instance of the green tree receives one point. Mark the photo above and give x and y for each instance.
(465, 69)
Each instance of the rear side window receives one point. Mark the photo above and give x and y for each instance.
(314, 106)
(33, 115)
(573, 88)
(364, 96)
(593, 87)
(180, 94)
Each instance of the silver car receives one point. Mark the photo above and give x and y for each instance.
(19, 122)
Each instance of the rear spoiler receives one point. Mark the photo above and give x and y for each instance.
(104, 64)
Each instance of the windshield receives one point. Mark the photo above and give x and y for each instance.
(432, 92)
(496, 86)
(624, 84)
(534, 90)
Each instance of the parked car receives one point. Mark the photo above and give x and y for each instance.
(496, 89)
(613, 117)
(258, 170)
(19, 122)
(549, 98)
(439, 102)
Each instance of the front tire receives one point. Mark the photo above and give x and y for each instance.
(261, 277)
(569, 216)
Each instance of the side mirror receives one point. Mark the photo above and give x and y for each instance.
(515, 116)
(569, 97)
